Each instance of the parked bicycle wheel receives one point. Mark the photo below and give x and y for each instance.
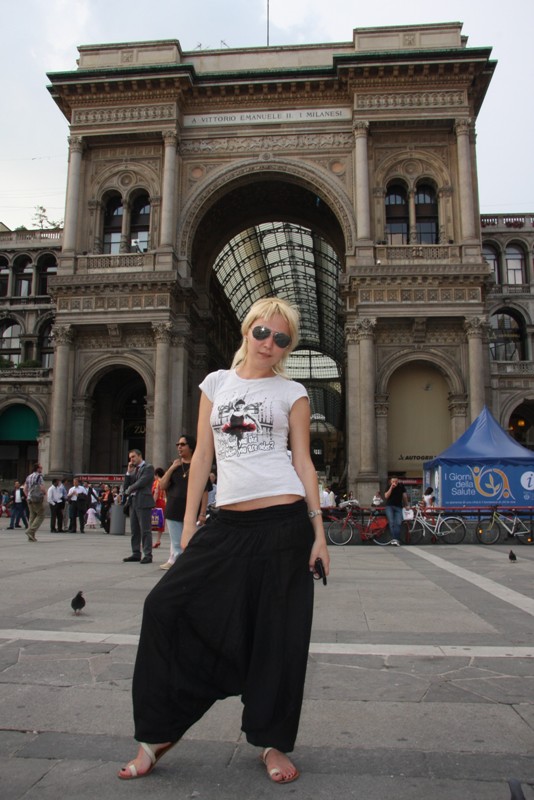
(488, 531)
(525, 537)
(452, 530)
(340, 532)
(412, 532)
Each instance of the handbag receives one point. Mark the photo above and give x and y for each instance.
(158, 519)
(126, 506)
(407, 513)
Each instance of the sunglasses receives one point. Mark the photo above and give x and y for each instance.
(282, 340)
(181, 444)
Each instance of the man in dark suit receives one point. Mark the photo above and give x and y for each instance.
(137, 488)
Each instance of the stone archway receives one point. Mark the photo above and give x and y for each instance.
(118, 420)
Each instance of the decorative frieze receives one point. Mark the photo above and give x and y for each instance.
(262, 144)
(123, 114)
(409, 100)
(114, 302)
(419, 294)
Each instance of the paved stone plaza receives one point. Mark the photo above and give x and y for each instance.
(420, 682)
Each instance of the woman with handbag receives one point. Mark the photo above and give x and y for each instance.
(233, 615)
(160, 501)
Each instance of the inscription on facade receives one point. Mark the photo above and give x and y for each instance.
(305, 115)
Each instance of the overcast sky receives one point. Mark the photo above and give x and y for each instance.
(42, 37)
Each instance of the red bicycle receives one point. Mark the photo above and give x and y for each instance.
(342, 530)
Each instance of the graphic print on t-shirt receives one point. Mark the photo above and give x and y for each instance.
(244, 427)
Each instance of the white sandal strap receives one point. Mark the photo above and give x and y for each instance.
(149, 751)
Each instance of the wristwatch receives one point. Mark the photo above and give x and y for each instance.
(315, 513)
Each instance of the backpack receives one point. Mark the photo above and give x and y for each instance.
(35, 494)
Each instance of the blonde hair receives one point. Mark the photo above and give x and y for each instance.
(266, 308)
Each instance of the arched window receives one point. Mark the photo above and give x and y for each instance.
(46, 346)
(507, 337)
(46, 266)
(140, 224)
(426, 215)
(4, 276)
(491, 255)
(515, 265)
(23, 273)
(397, 215)
(10, 350)
(113, 225)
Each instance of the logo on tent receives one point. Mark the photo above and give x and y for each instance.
(491, 482)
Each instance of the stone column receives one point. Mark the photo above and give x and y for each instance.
(458, 410)
(465, 177)
(381, 414)
(475, 329)
(82, 415)
(179, 379)
(365, 333)
(361, 177)
(160, 434)
(352, 416)
(444, 195)
(412, 218)
(63, 336)
(73, 193)
(167, 232)
(125, 243)
(96, 239)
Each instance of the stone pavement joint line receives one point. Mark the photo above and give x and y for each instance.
(316, 648)
(516, 599)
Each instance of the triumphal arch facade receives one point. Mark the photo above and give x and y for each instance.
(342, 176)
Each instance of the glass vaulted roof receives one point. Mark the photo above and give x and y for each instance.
(290, 261)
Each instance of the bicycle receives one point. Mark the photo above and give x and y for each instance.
(451, 529)
(489, 531)
(340, 531)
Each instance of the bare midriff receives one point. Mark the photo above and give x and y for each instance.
(263, 502)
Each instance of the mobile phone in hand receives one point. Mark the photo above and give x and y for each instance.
(319, 570)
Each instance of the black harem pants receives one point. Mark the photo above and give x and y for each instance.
(231, 617)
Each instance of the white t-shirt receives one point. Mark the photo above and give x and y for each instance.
(250, 422)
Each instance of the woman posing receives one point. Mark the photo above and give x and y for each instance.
(233, 615)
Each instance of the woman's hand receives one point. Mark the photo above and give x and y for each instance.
(188, 531)
(320, 550)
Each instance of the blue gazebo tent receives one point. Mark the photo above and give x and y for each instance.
(485, 466)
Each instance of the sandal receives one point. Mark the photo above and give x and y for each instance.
(272, 773)
(131, 770)
(156, 544)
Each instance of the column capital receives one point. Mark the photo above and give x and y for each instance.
(458, 405)
(76, 144)
(62, 334)
(162, 331)
(360, 329)
(170, 138)
(360, 128)
(475, 326)
(81, 407)
(382, 405)
(463, 126)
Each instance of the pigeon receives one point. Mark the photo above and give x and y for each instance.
(77, 603)
(516, 790)
(512, 556)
